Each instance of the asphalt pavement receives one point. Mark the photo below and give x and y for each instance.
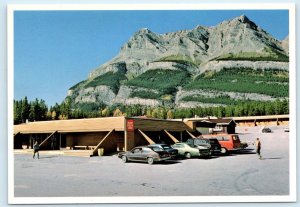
(239, 174)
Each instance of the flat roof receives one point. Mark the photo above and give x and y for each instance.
(99, 125)
(72, 125)
(150, 124)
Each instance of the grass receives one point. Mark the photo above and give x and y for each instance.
(182, 59)
(268, 54)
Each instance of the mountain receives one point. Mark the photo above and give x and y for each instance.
(205, 66)
(285, 44)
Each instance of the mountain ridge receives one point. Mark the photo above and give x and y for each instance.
(234, 43)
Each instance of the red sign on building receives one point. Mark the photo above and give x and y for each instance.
(130, 125)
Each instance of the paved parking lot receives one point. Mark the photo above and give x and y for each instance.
(236, 174)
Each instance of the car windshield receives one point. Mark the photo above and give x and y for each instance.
(201, 141)
(191, 145)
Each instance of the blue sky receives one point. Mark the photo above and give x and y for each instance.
(54, 50)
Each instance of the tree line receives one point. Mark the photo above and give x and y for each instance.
(38, 110)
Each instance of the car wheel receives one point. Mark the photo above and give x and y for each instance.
(150, 160)
(187, 155)
(124, 158)
(223, 150)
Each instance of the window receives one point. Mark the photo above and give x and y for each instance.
(136, 150)
(149, 150)
(220, 138)
(235, 137)
(225, 138)
(155, 149)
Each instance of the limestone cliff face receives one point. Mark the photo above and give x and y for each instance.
(238, 42)
(285, 44)
(94, 94)
(199, 45)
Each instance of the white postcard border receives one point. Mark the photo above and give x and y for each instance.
(163, 199)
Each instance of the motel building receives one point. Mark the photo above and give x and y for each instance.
(94, 136)
(98, 136)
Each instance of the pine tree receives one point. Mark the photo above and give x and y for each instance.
(17, 112)
(25, 110)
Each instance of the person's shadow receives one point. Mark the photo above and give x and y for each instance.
(47, 157)
(271, 158)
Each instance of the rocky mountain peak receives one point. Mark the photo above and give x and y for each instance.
(128, 77)
(239, 21)
(244, 19)
(143, 31)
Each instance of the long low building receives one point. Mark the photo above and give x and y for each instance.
(121, 133)
(111, 133)
(271, 120)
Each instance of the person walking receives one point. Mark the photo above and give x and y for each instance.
(36, 148)
(258, 148)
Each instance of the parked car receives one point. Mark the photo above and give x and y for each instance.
(173, 152)
(266, 130)
(188, 150)
(199, 142)
(228, 142)
(145, 154)
(212, 144)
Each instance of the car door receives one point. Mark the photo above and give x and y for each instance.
(194, 151)
(180, 148)
(135, 154)
(146, 152)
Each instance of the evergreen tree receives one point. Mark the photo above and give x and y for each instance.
(25, 110)
(17, 112)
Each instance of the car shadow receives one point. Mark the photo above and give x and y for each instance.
(209, 158)
(168, 162)
(244, 152)
(196, 158)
